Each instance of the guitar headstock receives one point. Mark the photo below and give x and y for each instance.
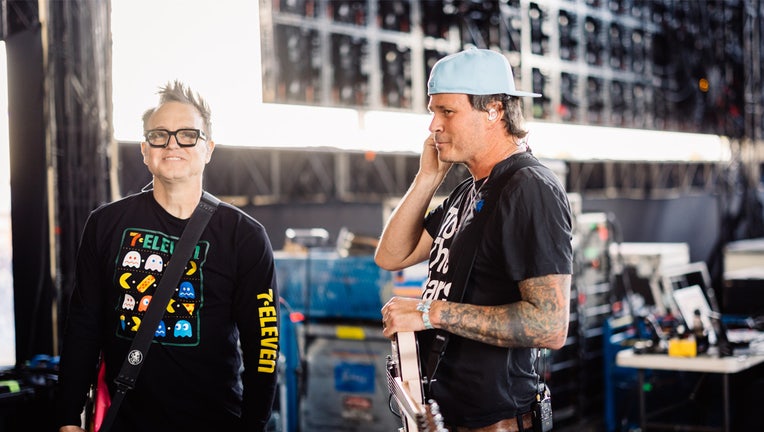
(432, 421)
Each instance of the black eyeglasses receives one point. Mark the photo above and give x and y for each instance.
(160, 138)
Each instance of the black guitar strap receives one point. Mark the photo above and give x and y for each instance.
(142, 342)
(472, 235)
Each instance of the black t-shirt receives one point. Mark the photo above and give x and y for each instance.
(214, 355)
(527, 235)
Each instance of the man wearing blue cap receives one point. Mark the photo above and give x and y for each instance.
(499, 249)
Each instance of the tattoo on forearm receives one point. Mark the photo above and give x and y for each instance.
(538, 320)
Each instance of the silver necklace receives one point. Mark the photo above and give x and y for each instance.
(475, 204)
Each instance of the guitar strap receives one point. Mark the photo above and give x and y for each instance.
(471, 239)
(139, 349)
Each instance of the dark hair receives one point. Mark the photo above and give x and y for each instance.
(514, 121)
(176, 91)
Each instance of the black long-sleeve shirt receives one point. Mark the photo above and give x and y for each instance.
(213, 361)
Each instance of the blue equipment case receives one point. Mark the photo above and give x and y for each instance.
(325, 285)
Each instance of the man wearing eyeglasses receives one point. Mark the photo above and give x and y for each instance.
(212, 362)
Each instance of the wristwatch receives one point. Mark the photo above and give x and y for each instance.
(424, 307)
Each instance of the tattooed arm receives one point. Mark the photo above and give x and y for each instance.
(539, 320)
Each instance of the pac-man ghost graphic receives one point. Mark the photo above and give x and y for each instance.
(186, 290)
(144, 304)
(154, 262)
(132, 259)
(161, 330)
(182, 329)
(128, 303)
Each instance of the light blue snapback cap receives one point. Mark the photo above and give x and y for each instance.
(474, 71)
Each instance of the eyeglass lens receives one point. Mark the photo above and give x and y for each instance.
(161, 137)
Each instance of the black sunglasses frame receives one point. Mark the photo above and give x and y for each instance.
(200, 134)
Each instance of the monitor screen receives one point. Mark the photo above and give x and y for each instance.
(634, 288)
(690, 299)
(682, 276)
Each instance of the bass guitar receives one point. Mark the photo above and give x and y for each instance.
(404, 380)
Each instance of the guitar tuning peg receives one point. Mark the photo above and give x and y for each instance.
(437, 417)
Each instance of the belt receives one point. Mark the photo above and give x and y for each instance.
(506, 425)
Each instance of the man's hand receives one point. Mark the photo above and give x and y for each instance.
(399, 314)
(429, 162)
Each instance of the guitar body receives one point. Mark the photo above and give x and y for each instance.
(409, 372)
(407, 386)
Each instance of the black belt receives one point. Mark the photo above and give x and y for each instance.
(506, 425)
